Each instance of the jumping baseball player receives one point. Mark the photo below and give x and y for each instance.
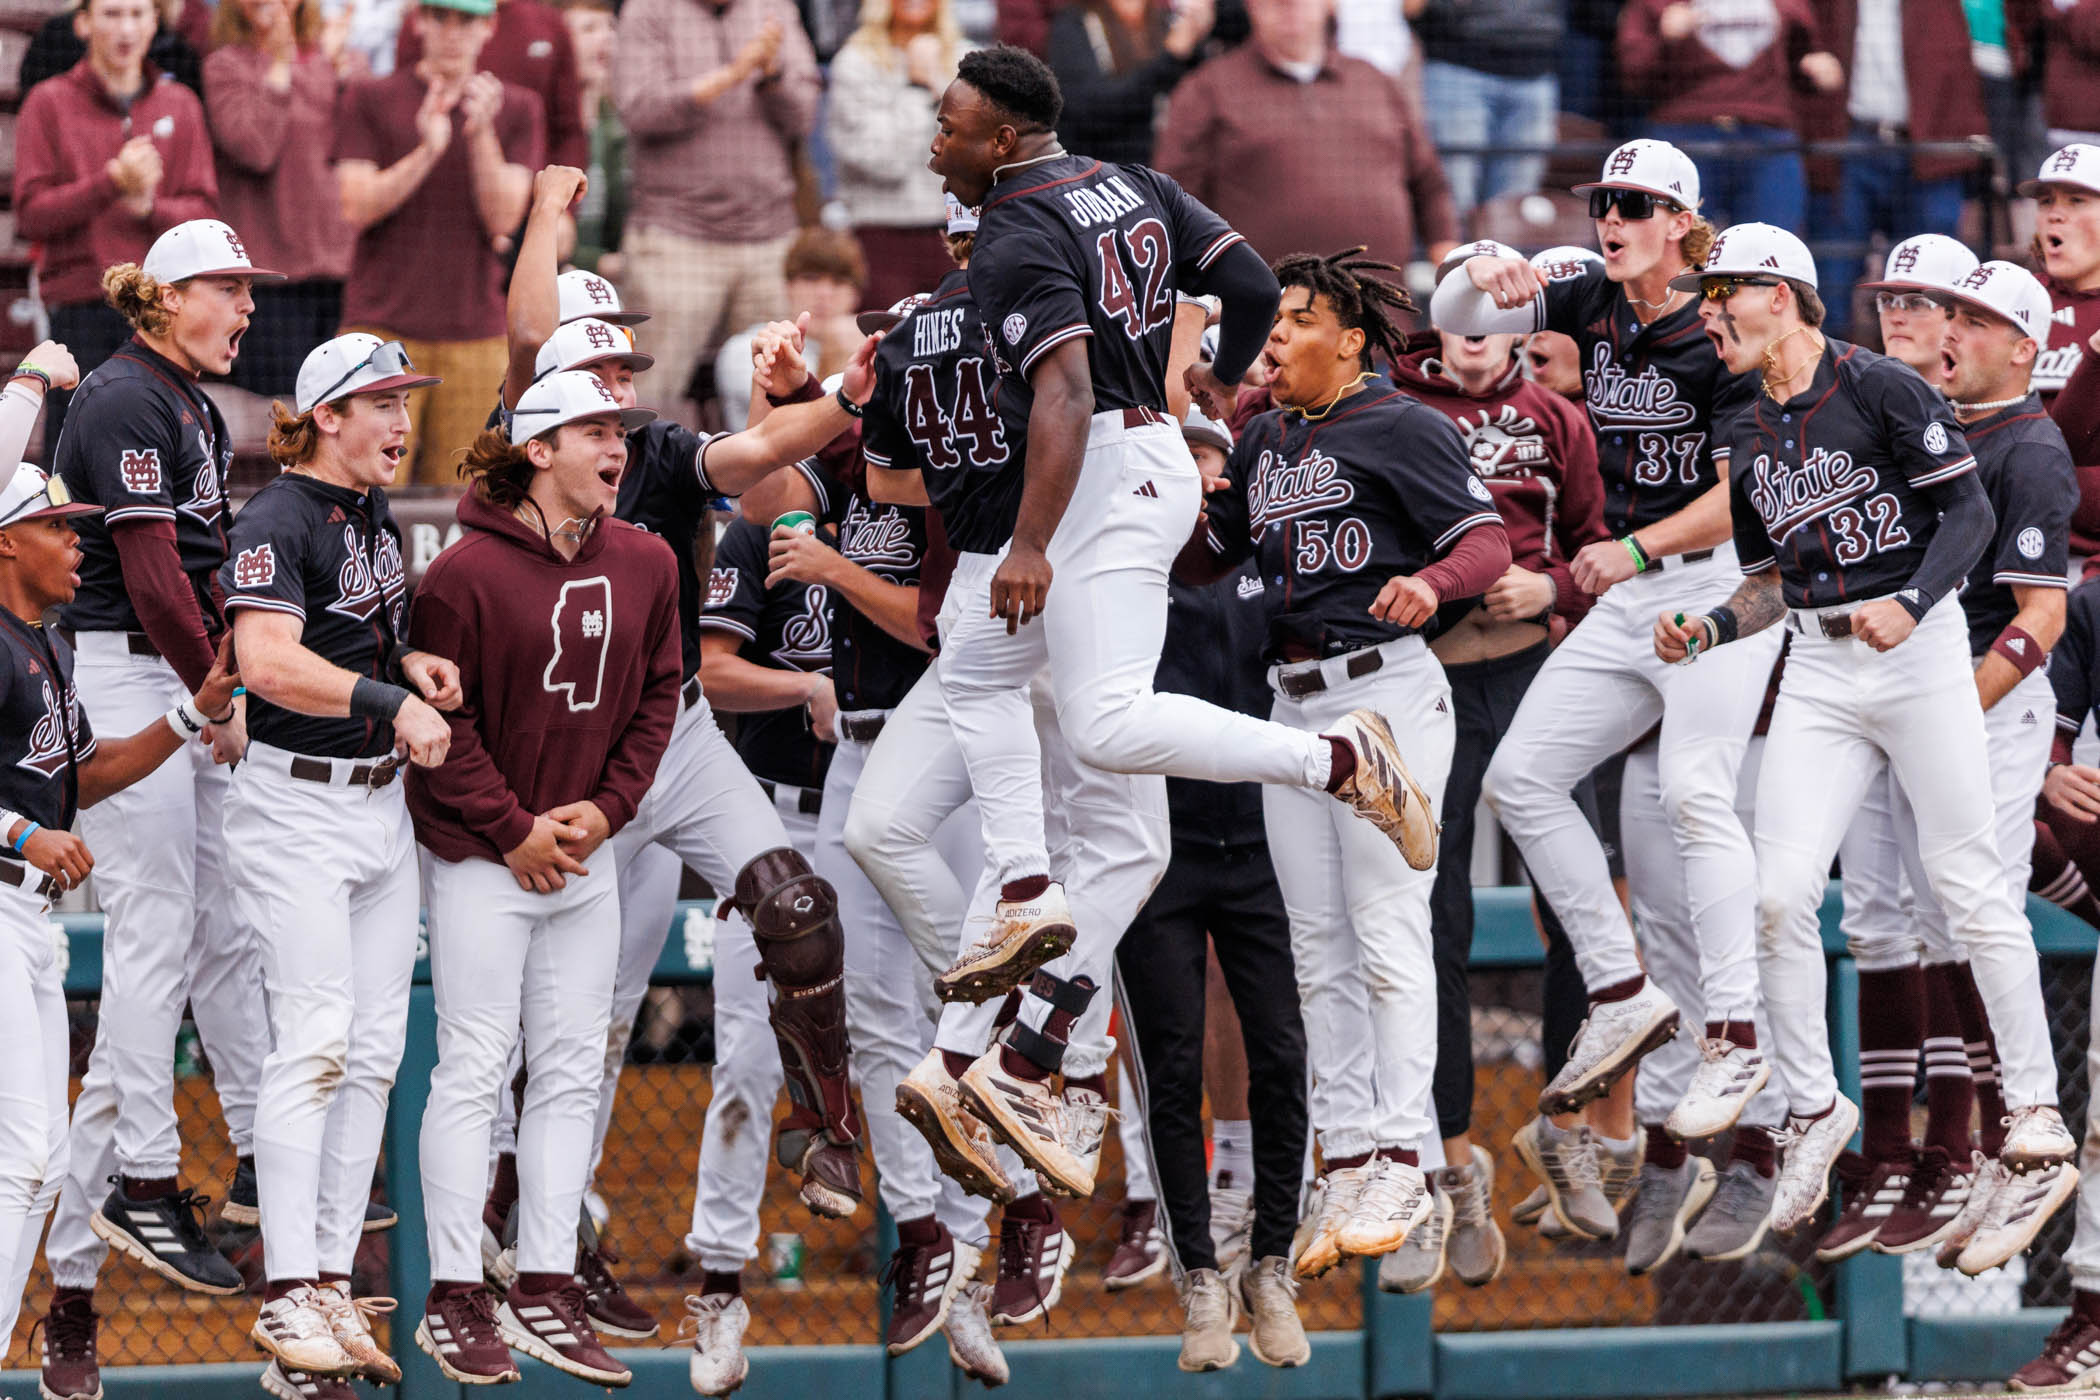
(553, 748)
(1076, 268)
(314, 585)
(145, 443)
(1858, 510)
(1660, 401)
(53, 767)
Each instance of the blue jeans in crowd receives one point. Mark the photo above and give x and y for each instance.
(1875, 194)
(1769, 187)
(1471, 108)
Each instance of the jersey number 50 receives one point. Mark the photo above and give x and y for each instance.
(1127, 259)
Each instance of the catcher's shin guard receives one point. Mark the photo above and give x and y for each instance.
(802, 954)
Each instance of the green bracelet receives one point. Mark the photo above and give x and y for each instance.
(1633, 548)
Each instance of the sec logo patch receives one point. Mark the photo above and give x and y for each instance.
(721, 587)
(1014, 327)
(2029, 543)
(1935, 438)
(1478, 488)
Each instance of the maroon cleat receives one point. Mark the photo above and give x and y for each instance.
(70, 1371)
(605, 1302)
(551, 1327)
(459, 1331)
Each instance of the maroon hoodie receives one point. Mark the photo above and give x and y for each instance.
(1539, 457)
(570, 670)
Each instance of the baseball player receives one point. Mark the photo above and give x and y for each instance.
(313, 582)
(147, 444)
(1660, 401)
(53, 767)
(1362, 508)
(2066, 194)
(1858, 510)
(1076, 265)
(510, 821)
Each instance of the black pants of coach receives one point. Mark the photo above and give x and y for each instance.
(1225, 897)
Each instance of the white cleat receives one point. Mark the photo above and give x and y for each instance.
(1383, 792)
(719, 1321)
(1728, 1077)
(2035, 1136)
(295, 1330)
(1611, 1042)
(1809, 1149)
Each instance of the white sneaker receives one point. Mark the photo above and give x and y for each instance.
(971, 1345)
(1809, 1149)
(2035, 1136)
(1728, 1077)
(1336, 1200)
(1990, 1176)
(1087, 1116)
(295, 1330)
(1024, 935)
(1232, 1231)
(1393, 1202)
(1028, 1116)
(2017, 1212)
(1610, 1043)
(719, 1321)
(348, 1320)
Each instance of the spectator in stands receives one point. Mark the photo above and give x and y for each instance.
(1489, 78)
(1303, 149)
(62, 43)
(108, 155)
(716, 99)
(602, 216)
(270, 90)
(1913, 81)
(1375, 31)
(2006, 39)
(1588, 77)
(1117, 60)
(825, 277)
(885, 83)
(1719, 77)
(529, 48)
(2071, 77)
(434, 164)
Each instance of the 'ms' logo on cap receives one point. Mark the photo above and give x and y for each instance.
(1622, 161)
(233, 241)
(1978, 279)
(2065, 159)
(1906, 258)
(599, 337)
(596, 289)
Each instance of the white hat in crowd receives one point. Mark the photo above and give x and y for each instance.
(31, 495)
(356, 363)
(962, 218)
(201, 248)
(1480, 248)
(590, 341)
(1565, 260)
(567, 396)
(879, 322)
(584, 294)
(1930, 262)
(1656, 167)
(1198, 426)
(1749, 252)
(2076, 165)
(2010, 291)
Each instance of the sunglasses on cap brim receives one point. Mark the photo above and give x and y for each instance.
(389, 358)
(57, 499)
(1631, 204)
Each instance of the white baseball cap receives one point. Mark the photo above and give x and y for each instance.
(1752, 250)
(879, 322)
(587, 294)
(2010, 291)
(1654, 166)
(356, 363)
(565, 397)
(962, 218)
(590, 341)
(201, 248)
(1565, 260)
(1930, 262)
(2076, 165)
(1481, 248)
(31, 495)
(1198, 426)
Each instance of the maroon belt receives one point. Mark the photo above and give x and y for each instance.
(1141, 417)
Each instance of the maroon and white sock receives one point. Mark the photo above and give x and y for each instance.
(1891, 1025)
(1982, 1048)
(1950, 1085)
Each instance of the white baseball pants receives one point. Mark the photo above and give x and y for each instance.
(1100, 635)
(329, 882)
(1598, 692)
(1360, 915)
(162, 877)
(33, 1074)
(2084, 1254)
(1662, 917)
(500, 956)
(1845, 713)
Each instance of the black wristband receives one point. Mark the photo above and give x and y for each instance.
(1916, 602)
(1727, 626)
(401, 652)
(852, 409)
(370, 699)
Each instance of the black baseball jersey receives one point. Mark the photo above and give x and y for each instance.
(1657, 394)
(1069, 248)
(1832, 485)
(331, 557)
(787, 627)
(2074, 664)
(2026, 470)
(942, 409)
(145, 443)
(870, 669)
(43, 731)
(1333, 507)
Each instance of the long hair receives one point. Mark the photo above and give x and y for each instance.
(294, 437)
(230, 24)
(1698, 242)
(1361, 300)
(137, 297)
(496, 466)
(872, 35)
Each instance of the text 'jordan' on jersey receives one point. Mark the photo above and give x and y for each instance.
(787, 627)
(331, 557)
(2026, 471)
(1657, 394)
(1334, 507)
(43, 730)
(941, 409)
(1070, 248)
(1833, 484)
(870, 669)
(146, 444)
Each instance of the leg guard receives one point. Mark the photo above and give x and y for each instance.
(802, 954)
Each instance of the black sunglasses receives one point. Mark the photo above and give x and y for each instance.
(1632, 204)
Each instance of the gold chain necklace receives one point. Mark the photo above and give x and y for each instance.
(1771, 362)
(1313, 417)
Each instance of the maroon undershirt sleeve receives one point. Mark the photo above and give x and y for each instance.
(1479, 558)
(164, 598)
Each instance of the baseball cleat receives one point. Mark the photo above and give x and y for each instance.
(1728, 1077)
(1932, 1203)
(298, 1385)
(971, 1345)
(1988, 1176)
(2035, 1136)
(1141, 1250)
(2070, 1361)
(923, 1280)
(167, 1236)
(1810, 1148)
(1209, 1312)
(1269, 1296)
(551, 1327)
(1612, 1041)
(1393, 1201)
(1734, 1222)
(241, 1206)
(349, 1319)
(1028, 1116)
(1030, 1275)
(1663, 1208)
(1872, 1191)
(1086, 1124)
(70, 1370)
(1383, 792)
(2017, 1212)
(295, 1329)
(718, 1322)
(1332, 1202)
(459, 1332)
(963, 1148)
(830, 1178)
(1025, 934)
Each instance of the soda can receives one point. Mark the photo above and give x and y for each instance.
(785, 1255)
(800, 520)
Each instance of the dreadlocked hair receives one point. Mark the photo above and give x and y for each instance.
(1361, 301)
(498, 468)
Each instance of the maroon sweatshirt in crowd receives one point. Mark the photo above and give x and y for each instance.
(2067, 376)
(1538, 455)
(1742, 66)
(570, 670)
